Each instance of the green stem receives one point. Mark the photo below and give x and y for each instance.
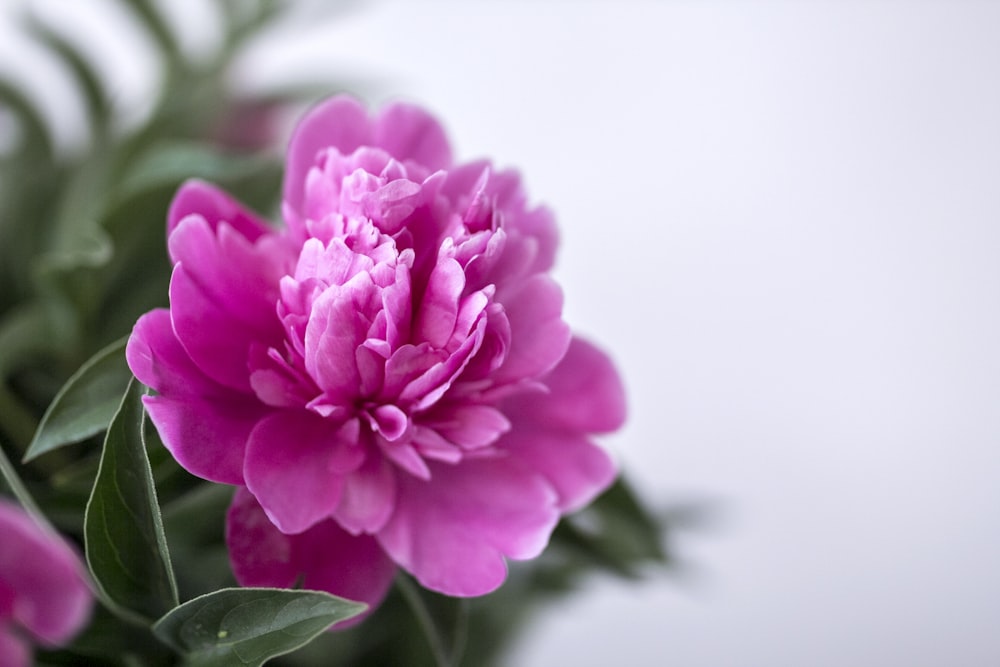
(20, 491)
(423, 615)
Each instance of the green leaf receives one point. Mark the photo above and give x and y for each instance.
(615, 532)
(243, 627)
(85, 404)
(98, 105)
(123, 530)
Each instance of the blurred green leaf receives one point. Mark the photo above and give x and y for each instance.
(35, 139)
(86, 403)
(614, 532)
(96, 100)
(125, 543)
(244, 627)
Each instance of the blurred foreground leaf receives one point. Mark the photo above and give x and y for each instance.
(244, 627)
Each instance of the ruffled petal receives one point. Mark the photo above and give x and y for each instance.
(215, 206)
(340, 122)
(295, 466)
(323, 557)
(454, 531)
(407, 132)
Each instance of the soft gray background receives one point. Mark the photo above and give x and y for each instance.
(783, 219)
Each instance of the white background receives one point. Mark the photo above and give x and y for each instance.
(783, 219)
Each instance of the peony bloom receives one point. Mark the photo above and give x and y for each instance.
(44, 596)
(388, 377)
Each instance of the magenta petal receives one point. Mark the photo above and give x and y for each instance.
(295, 464)
(439, 309)
(215, 206)
(539, 336)
(42, 579)
(203, 424)
(207, 437)
(408, 132)
(156, 357)
(260, 554)
(585, 392)
(453, 531)
(369, 497)
(324, 557)
(340, 122)
(576, 468)
(14, 652)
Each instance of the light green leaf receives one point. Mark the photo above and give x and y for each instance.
(244, 627)
(85, 404)
(123, 530)
(98, 105)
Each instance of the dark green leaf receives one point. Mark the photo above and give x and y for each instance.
(123, 529)
(86, 403)
(243, 627)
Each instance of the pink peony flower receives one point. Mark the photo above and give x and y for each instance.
(389, 377)
(44, 595)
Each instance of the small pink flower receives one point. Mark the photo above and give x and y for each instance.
(44, 596)
(389, 375)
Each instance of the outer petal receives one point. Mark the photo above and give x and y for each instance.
(203, 424)
(585, 393)
(295, 466)
(539, 336)
(576, 468)
(215, 206)
(340, 122)
(49, 595)
(223, 294)
(407, 132)
(453, 531)
(323, 557)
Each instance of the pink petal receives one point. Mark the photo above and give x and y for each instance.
(471, 426)
(340, 122)
(439, 308)
(454, 531)
(539, 337)
(576, 468)
(207, 437)
(585, 392)
(295, 466)
(369, 497)
(336, 328)
(41, 578)
(408, 132)
(215, 206)
(324, 557)
(222, 295)
(14, 651)
(260, 554)
(203, 424)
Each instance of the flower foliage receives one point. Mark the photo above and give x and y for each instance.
(389, 372)
(44, 595)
